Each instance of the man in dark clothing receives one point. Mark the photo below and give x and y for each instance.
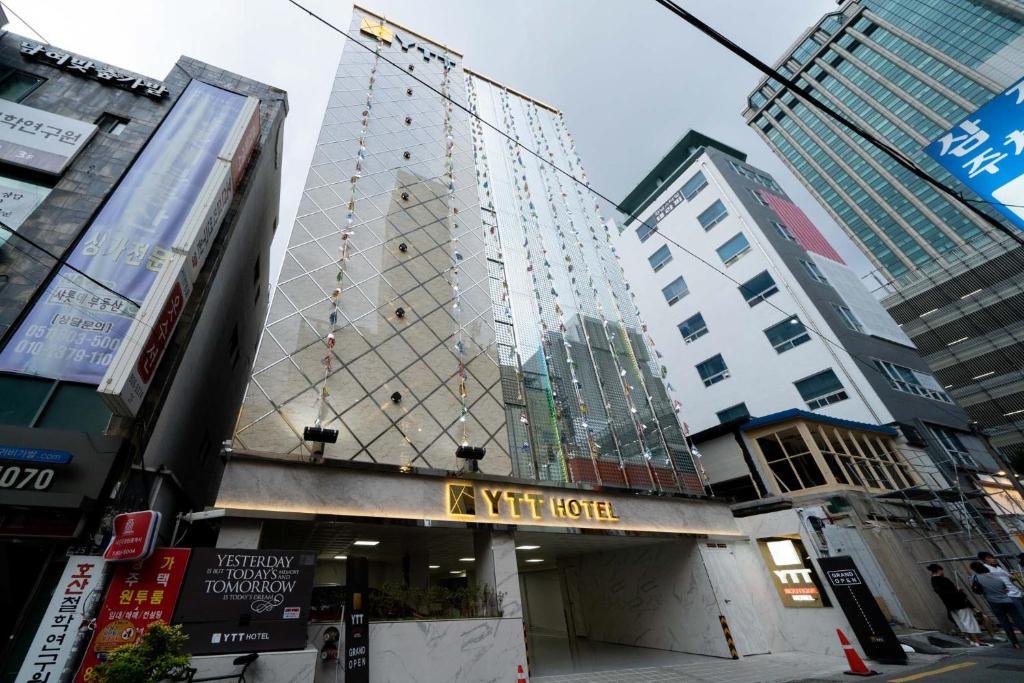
(959, 607)
(996, 589)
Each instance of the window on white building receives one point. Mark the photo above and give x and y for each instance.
(659, 258)
(733, 413)
(758, 288)
(756, 194)
(713, 370)
(731, 251)
(675, 290)
(693, 328)
(821, 389)
(787, 334)
(693, 186)
(713, 215)
(784, 231)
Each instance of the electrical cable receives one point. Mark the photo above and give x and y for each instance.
(63, 262)
(806, 96)
(750, 58)
(7, 7)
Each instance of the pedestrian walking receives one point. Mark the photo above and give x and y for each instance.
(957, 605)
(996, 590)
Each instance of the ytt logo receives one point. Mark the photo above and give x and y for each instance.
(461, 500)
(385, 35)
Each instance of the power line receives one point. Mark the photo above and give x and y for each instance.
(805, 95)
(866, 363)
(7, 7)
(63, 262)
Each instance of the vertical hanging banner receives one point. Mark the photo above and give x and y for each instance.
(140, 594)
(155, 229)
(74, 601)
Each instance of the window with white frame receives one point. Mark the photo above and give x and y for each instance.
(646, 229)
(693, 186)
(783, 231)
(787, 334)
(713, 370)
(953, 446)
(756, 194)
(758, 288)
(713, 215)
(911, 381)
(821, 389)
(848, 318)
(693, 328)
(812, 269)
(675, 290)
(733, 249)
(659, 258)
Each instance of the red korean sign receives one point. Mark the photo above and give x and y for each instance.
(140, 594)
(153, 351)
(134, 536)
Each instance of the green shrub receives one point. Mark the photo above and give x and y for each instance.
(157, 656)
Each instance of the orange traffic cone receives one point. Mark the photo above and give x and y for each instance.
(520, 677)
(857, 666)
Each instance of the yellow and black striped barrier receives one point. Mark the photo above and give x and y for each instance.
(728, 637)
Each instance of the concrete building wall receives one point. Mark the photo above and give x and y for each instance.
(735, 329)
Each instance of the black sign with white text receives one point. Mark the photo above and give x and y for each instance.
(357, 627)
(246, 600)
(869, 625)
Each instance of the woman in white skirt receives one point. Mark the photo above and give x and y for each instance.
(960, 609)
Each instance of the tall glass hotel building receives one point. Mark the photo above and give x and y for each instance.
(907, 70)
(445, 287)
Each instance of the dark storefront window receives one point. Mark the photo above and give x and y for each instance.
(35, 402)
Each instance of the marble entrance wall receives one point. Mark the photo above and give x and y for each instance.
(655, 596)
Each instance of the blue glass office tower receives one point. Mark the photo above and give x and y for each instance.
(908, 70)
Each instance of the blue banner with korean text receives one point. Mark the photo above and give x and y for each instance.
(76, 326)
(985, 151)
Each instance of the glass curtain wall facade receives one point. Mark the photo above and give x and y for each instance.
(434, 260)
(907, 70)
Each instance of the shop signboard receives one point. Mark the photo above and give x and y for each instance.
(357, 626)
(66, 619)
(140, 594)
(54, 469)
(865, 616)
(147, 227)
(39, 140)
(985, 151)
(134, 538)
(792, 573)
(246, 600)
(125, 383)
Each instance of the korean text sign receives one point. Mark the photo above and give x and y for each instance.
(73, 603)
(75, 328)
(38, 140)
(985, 151)
(140, 594)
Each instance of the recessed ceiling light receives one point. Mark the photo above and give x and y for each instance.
(535, 559)
(456, 571)
(341, 557)
(435, 566)
(527, 547)
(366, 543)
(467, 559)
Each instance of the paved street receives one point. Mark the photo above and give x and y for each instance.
(992, 665)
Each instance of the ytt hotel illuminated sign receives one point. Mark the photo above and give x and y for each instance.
(503, 503)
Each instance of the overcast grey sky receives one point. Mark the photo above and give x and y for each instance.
(630, 77)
